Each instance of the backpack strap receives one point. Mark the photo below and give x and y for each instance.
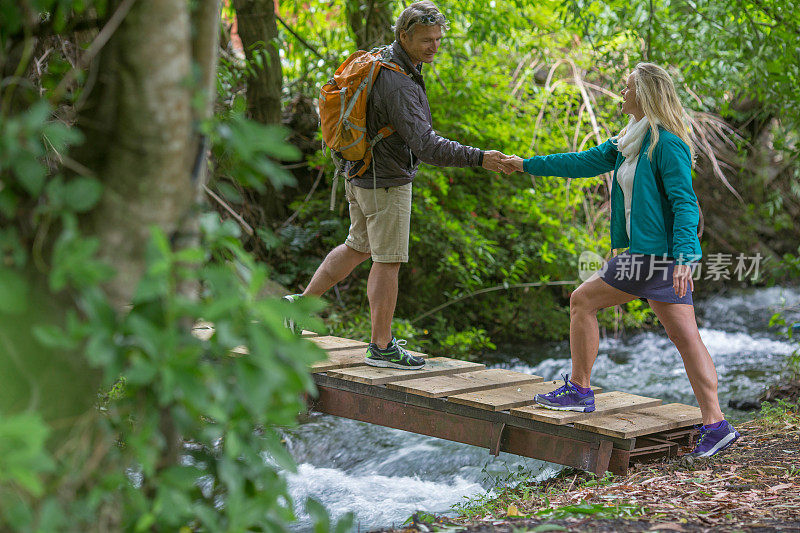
(358, 168)
(382, 134)
(339, 164)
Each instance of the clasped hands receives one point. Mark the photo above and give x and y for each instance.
(499, 162)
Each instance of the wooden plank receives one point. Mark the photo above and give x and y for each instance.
(508, 397)
(643, 421)
(340, 359)
(346, 359)
(606, 403)
(205, 330)
(435, 366)
(438, 386)
(330, 343)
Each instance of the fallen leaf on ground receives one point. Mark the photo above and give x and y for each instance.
(670, 526)
(513, 511)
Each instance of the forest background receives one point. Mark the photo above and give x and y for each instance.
(160, 165)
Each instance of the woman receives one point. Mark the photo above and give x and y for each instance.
(654, 214)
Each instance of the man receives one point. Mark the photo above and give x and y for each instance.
(380, 200)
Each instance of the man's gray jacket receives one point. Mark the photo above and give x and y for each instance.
(399, 100)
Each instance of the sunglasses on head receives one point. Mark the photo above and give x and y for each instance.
(428, 20)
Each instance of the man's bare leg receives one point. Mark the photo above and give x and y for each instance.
(382, 294)
(337, 265)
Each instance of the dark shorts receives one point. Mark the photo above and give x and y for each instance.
(644, 276)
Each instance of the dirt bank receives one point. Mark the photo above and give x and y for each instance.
(753, 486)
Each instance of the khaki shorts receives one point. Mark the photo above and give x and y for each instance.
(380, 221)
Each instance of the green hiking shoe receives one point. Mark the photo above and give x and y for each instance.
(394, 356)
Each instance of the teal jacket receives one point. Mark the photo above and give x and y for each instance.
(664, 208)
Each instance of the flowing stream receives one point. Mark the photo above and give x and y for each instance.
(384, 475)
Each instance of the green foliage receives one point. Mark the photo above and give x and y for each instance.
(322, 521)
(126, 420)
(421, 515)
(596, 510)
(547, 527)
(22, 454)
(631, 316)
(518, 490)
(324, 31)
(637, 313)
(792, 331)
(780, 413)
(224, 406)
(244, 150)
(13, 292)
(60, 13)
(25, 141)
(467, 344)
(787, 268)
(596, 481)
(509, 487)
(734, 49)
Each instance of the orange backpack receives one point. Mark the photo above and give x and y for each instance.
(343, 110)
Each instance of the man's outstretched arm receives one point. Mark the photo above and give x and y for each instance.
(406, 114)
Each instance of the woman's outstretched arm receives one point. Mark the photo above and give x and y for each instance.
(586, 164)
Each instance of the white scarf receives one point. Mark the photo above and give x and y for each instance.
(630, 142)
(628, 145)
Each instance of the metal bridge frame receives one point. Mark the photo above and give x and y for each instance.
(495, 430)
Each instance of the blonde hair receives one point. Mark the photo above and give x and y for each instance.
(656, 96)
(424, 12)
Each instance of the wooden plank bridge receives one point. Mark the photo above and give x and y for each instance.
(494, 408)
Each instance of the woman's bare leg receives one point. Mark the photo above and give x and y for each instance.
(681, 326)
(584, 336)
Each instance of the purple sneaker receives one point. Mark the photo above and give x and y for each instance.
(567, 398)
(712, 441)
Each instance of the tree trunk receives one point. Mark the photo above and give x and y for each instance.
(259, 34)
(371, 22)
(205, 44)
(142, 143)
(205, 22)
(138, 124)
(258, 30)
